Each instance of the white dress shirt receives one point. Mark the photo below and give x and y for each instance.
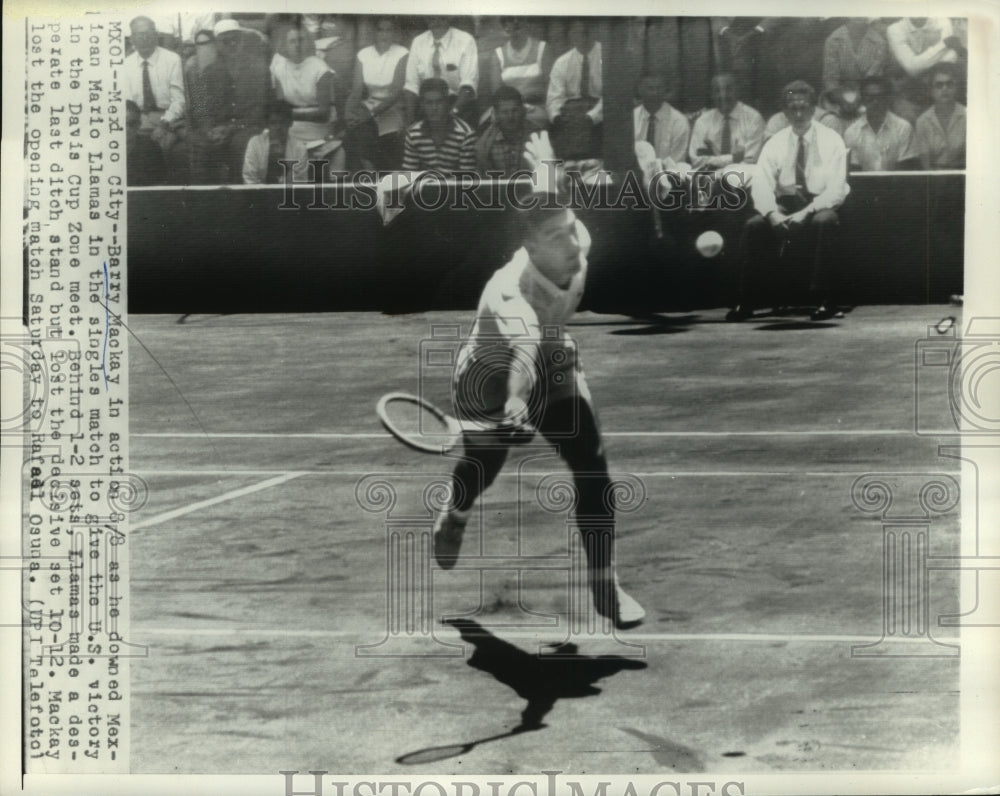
(459, 61)
(746, 130)
(880, 150)
(166, 76)
(826, 168)
(564, 82)
(670, 133)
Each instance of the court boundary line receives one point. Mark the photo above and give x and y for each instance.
(530, 473)
(166, 516)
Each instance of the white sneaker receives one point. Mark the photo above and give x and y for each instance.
(448, 530)
(612, 601)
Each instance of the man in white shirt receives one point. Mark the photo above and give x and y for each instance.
(519, 371)
(730, 132)
(655, 120)
(154, 80)
(444, 52)
(799, 182)
(577, 73)
(918, 43)
(880, 140)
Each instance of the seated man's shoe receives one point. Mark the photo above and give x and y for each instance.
(612, 601)
(448, 530)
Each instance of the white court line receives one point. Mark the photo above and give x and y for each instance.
(513, 474)
(545, 633)
(872, 432)
(201, 504)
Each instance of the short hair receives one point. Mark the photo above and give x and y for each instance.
(530, 220)
(506, 92)
(429, 84)
(137, 20)
(942, 68)
(876, 80)
(797, 87)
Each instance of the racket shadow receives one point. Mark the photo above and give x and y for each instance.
(541, 680)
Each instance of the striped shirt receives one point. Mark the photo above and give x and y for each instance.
(457, 151)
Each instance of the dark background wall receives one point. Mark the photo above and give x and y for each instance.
(226, 250)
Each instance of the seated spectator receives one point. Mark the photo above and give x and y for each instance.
(446, 53)
(244, 56)
(154, 81)
(501, 146)
(265, 151)
(941, 128)
(439, 141)
(306, 83)
(656, 121)
(798, 184)
(854, 51)
(523, 63)
(375, 108)
(880, 140)
(918, 43)
(577, 74)
(143, 159)
(209, 100)
(334, 43)
(730, 132)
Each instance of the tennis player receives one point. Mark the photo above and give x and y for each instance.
(519, 371)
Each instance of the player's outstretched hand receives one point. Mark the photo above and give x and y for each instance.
(538, 150)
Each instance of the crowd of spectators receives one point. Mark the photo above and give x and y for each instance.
(222, 99)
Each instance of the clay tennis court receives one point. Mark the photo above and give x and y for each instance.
(257, 572)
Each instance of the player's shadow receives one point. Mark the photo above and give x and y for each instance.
(541, 680)
(658, 324)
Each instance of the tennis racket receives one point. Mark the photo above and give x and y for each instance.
(422, 426)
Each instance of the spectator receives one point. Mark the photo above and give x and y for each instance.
(306, 83)
(501, 147)
(446, 53)
(439, 141)
(266, 150)
(143, 158)
(918, 43)
(842, 106)
(730, 132)
(577, 74)
(374, 108)
(154, 81)
(656, 121)
(798, 184)
(941, 128)
(243, 54)
(854, 51)
(334, 43)
(523, 63)
(880, 140)
(208, 102)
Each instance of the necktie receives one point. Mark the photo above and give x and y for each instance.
(148, 98)
(800, 165)
(727, 138)
(436, 59)
(585, 77)
(651, 131)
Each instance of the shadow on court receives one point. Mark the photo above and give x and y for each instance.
(542, 680)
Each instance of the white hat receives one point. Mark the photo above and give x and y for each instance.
(226, 26)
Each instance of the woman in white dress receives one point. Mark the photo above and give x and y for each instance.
(374, 107)
(305, 82)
